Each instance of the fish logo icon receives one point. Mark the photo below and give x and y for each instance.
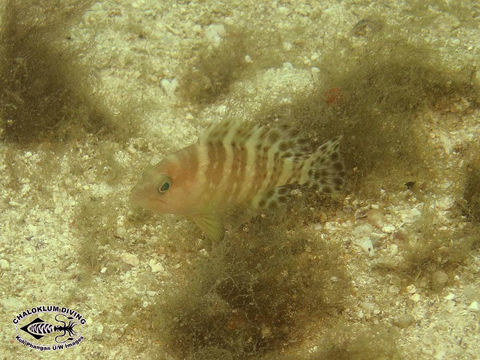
(39, 328)
(49, 328)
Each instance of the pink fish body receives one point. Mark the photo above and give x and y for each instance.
(233, 165)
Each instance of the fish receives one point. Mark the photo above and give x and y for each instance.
(235, 164)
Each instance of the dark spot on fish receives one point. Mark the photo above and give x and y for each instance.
(272, 205)
(334, 156)
(338, 181)
(293, 132)
(274, 136)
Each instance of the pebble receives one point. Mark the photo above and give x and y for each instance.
(156, 267)
(360, 314)
(287, 46)
(366, 245)
(393, 289)
(169, 86)
(388, 228)
(222, 109)
(415, 297)
(450, 296)
(393, 249)
(474, 306)
(362, 230)
(368, 306)
(411, 215)
(404, 321)
(214, 33)
(4, 264)
(439, 354)
(130, 259)
(445, 203)
(411, 289)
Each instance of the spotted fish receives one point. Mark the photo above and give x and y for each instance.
(237, 165)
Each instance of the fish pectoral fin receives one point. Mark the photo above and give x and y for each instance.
(211, 224)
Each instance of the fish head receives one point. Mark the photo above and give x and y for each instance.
(164, 188)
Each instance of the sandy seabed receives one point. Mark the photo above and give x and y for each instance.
(54, 194)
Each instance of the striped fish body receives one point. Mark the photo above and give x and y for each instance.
(234, 165)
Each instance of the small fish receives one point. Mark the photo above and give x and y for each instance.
(237, 165)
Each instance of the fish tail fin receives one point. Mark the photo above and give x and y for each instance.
(324, 169)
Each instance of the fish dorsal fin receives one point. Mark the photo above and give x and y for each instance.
(228, 130)
(211, 223)
(284, 139)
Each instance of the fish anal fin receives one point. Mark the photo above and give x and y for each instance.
(211, 224)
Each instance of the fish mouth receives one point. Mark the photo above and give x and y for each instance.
(140, 197)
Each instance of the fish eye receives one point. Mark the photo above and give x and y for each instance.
(165, 185)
